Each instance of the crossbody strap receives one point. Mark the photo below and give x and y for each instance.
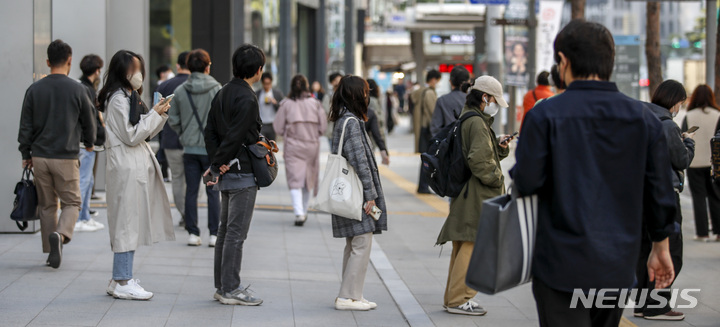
(195, 112)
(342, 135)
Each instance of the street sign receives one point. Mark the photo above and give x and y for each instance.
(626, 72)
(512, 21)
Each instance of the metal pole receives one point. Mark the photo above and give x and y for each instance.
(532, 43)
(710, 42)
(479, 49)
(350, 37)
(494, 43)
(321, 29)
(285, 46)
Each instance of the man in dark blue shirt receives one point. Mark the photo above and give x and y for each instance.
(597, 160)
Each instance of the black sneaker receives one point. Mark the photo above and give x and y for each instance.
(55, 256)
(240, 296)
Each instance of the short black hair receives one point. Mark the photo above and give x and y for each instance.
(432, 74)
(555, 76)
(160, 70)
(90, 64)
(459, 75)
(266, 75)
(589, 47)
(247, 60)
(182, 59)
(333, 76)
(198, 60)
(542, 78)
(669, 93)
(58, 53)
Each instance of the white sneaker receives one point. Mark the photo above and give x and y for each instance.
(373, 305)
(84, 226)
(194, 240)
(131, 291)
(111, 287)
(351, 305)
(213, 240)
(95, 223)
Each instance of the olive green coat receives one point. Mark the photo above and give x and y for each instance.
(483, 155)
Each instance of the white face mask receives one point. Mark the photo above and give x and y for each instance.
(491, 108)
(136, 81)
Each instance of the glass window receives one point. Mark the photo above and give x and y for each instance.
(170, 33)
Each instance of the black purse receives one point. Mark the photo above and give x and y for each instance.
(26, 201)
(264, 164)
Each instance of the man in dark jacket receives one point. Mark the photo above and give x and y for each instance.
(597, 161)
(269, 99)
(170, 142)
(449, 106)
(56, 115)
(234, 123)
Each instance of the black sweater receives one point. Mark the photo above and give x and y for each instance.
(233, 122)
(55, 112)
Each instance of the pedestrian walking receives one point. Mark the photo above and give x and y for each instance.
(666, 102)
(301, 121)
(449, 106)
(349, 104)
(483, 151)
(56, 114)
(423, 103)
(596, 170)
(704, 113)
(541, 91)
(269, 100)
(188, 119)
(138, 207)
(233, 124)
(170, 141)
(90, 66)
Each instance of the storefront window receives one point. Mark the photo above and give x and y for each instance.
(170, 33)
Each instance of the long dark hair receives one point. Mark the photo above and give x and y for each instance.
(351, 94)
(669, 93)
(702, 97)
(116, 75)
(374, 88)
(298, 87)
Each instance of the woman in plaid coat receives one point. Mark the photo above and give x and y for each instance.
(350, 100)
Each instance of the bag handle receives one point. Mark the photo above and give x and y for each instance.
(342, 135)
(195, 111)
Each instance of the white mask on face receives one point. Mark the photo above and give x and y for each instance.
(491, 108)
(136, 81)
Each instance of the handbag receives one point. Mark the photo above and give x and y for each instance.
(26, 201)
(504, 244)
(264, 164)
(340, 192)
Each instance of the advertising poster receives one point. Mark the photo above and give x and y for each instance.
(516, 56)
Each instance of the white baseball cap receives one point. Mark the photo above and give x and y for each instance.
(491, 86)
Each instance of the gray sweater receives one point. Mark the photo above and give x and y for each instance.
(182, 120)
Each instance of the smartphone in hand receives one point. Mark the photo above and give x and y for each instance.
(692, 129)
(207, 179)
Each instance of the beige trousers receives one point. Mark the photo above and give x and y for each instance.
(355, 264)
(57, 178)
(456, 291)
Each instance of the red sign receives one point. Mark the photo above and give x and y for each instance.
(446, 68)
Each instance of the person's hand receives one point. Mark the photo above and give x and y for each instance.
(660, 265)
(27, 164)
(505, 144)
(224, 169)
(161, 107)
(368, 206)
(90, 149)
(688, 135)
(385, 158)
(212, 182)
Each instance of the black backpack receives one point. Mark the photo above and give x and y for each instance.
(444, 164)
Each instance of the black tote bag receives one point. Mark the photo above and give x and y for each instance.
(26, 201)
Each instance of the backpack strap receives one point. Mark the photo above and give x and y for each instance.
(534, 95)
(195, 112)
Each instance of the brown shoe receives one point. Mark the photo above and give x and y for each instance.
(670, 316)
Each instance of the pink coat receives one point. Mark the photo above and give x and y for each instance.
(301, 122)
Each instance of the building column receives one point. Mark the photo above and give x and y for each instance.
(322, 43)
(285, 46)
(350, 36)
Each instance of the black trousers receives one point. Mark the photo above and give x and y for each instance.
(423, 145)
(704, 194)
(554, 310)
(641, 272)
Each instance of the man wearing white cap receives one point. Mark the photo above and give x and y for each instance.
(483, 151)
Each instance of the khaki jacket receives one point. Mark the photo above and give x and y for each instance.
(424, 105)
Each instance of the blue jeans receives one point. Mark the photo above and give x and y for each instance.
(87, 162)
(123, 265)
(195, 167)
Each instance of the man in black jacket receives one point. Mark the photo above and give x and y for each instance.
(234, 123)
(55, 113)
(598, 161)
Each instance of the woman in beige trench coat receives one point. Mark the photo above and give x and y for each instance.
(138, 206)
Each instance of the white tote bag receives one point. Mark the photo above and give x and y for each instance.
(340, 192)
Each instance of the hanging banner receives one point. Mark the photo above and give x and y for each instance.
(516, 58)
(548, 26)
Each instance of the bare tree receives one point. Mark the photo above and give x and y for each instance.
(577, 8)
(652, 46)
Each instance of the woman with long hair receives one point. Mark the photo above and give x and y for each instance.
(349, 112)
(301, 121)
(137, 204)
(704, 113)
